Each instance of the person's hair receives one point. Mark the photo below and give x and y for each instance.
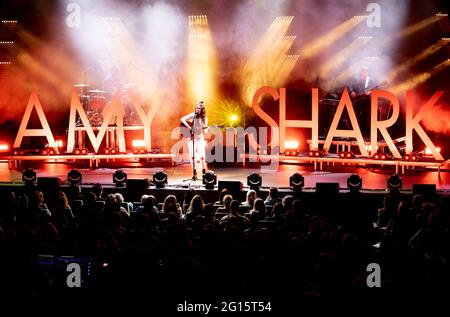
(197, 205)
(119, 198)
(39, 197)
(97, 189)
(202, 113)
(234, 207)
(417, 201)
(227, 199)
(148, 204)
(61, 200)
(222, 194)
(273, 192)
(288, 201)
(190, 193)
(170, 199)
(209, 210)
(259, 205)
(144, 198)
(89, 199)
(278, 209)
(251, 194)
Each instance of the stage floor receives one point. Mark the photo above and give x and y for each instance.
(373, 178)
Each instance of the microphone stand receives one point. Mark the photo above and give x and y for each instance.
(194, 171)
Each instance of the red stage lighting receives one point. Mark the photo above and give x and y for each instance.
(114, 151)
(84, 151)
(346, 154)
(315, 153)
(4, 147)
(107, 151)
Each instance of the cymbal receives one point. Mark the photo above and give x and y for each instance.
(80, 85)
(97, 91)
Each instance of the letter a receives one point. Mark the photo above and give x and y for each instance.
(34, 102)
(74, 278)
(374, 278)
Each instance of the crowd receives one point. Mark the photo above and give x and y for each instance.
(263, 247)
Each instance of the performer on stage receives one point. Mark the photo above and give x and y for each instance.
(360, 92)
(362, 84)
(197, 122)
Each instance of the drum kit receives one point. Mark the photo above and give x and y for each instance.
(94, 102)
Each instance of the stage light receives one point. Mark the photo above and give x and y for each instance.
(226, 113)
(296, 181)
(428, 150)
(29, 176)
(4, 147)
(315, 153)
(346, 155)
(119, 178)
(268, 65)
(107, 151)
(84, 151)
(394, 182)
(59, 143)
(254, 180)
(354, 182)
(160, 179)
(74, 177)
(114, 151)
(291, 144)
(380, 156)
(202, 63)
(44, 152)
(138, 143)
(410, 157)
(77, 152)
(209, 179)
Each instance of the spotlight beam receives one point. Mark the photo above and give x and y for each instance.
(420, 78)
(414, 60)
(331, 37)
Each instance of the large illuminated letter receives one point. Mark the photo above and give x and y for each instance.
(376, 125)
(256, 107)
(115, 109)
(413, 123)
(34, 102)
(313, 124)
(354, 133)
(146, 119)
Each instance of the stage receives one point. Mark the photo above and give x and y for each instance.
(374, 178)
